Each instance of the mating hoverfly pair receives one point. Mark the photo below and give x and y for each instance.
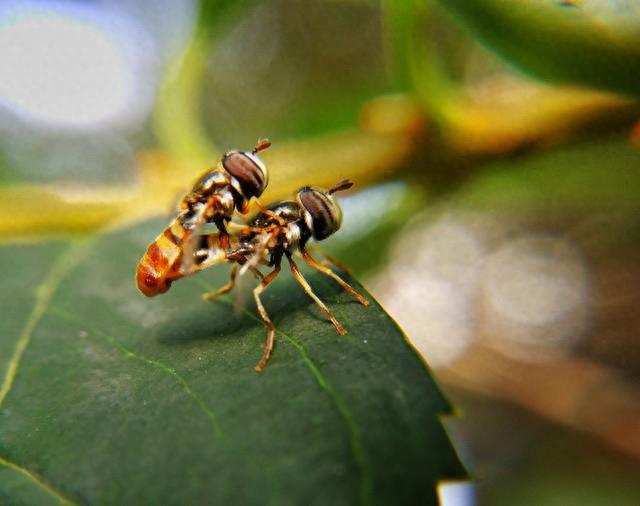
(281, 229)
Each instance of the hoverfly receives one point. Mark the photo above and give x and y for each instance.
(282, 229)
(229, 186)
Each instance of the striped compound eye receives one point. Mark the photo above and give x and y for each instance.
(249, 172)
(323, 215)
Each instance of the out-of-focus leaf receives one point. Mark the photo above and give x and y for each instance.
(414, 64)
(585, 176)
(497, 114)
(213, 13)
(111, 398)
(594, 43)
(202, 98)
(560, 466)
(329, 113)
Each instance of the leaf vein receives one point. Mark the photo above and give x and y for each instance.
(215, 425)
(355, 434)
(43, 294)
(39, 481)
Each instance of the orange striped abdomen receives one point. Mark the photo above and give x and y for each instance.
(160, 265)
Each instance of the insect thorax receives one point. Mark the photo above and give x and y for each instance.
(210, 182)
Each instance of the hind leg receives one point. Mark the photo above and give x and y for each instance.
(271, 329)
(226, 288)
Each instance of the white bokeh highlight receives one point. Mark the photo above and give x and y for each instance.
(457, 494)
(429, 287)
(72, 67)
(456, 282)
(535, 297)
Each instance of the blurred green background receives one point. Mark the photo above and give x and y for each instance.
(495, 147)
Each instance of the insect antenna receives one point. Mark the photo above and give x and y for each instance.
(343, 184)
(261, 145)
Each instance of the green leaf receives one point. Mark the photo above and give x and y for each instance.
(595, 43)
(112, 398)
(593, 176)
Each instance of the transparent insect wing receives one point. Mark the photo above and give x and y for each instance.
(194, 223)
(260, 250)
(201, 251)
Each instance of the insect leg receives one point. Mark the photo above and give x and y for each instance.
(271, 330)
(329, 260)
(225, 289)
(236, 228)
(224, 235)
(326, 260)
(256, 272)
(312, 262)
(307, 288)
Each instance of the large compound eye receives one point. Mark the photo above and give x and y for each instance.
(323, 214)
(249, 171)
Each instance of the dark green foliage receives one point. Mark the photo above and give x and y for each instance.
(119, 399)
(586, 43)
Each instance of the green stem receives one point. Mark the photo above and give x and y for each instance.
(414, 62)
(177, 120)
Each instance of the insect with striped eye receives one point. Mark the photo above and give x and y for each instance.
(284, 228)
(217, 194)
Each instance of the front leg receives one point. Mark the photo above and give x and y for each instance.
(223, 240)
(312, 262)
(307, 288)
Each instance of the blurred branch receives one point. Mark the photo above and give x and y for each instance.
(577, 393)
(177, 122)
(58, 211)
(392, 132)
(505, 114)
(414, 64)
